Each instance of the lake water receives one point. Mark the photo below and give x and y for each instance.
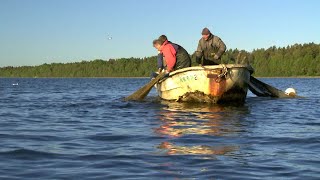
(81, 129)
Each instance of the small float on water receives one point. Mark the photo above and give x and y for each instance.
(210, 84)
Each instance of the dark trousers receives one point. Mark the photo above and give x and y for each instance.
(209, 62)
(154, 74)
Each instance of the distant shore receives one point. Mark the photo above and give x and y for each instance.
(301, 77)
(78, 77)
(292, 61)
(291, 77)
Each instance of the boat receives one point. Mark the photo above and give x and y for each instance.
(210, 84)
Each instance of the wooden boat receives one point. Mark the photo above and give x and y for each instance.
(211, 84)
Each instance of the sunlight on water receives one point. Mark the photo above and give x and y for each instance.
(81, 129)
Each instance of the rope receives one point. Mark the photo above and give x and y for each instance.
(223, 73)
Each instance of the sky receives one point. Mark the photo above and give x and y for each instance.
(34, 32)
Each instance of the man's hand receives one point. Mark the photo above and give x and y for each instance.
(198, 60)
(216, 57)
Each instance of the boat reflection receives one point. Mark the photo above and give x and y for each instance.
(196, 150)
(199, 123)
(180, 119)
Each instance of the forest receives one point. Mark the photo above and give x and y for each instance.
(291, 61)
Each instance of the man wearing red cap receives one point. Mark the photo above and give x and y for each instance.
(210, 48)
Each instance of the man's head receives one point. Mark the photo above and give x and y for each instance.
(206, 33)
(163, 38)
(157, 44)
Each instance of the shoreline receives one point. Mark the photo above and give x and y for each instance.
(265, 77)
(75, 77)
(290, 77)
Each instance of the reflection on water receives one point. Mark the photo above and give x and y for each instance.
(196, 150)
(63, 126)
(181, 120)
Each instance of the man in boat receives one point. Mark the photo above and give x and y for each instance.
(160, 59)
(176, 57)
(210, 48)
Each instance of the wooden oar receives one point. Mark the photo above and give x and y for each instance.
(262, 89)
(141, 93)
(258, 87)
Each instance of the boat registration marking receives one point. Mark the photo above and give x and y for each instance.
(191, 77)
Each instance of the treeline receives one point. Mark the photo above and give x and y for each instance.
(124, 67)
(295, 60)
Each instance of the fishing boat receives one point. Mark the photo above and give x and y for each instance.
(210, 84)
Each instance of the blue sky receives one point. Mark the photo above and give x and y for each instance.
(33, 32)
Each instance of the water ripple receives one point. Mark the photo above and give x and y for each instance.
(82, 129)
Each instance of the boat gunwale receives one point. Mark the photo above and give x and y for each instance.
(213, 67)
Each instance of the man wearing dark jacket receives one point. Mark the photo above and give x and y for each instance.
(210, 48)
(176, 57)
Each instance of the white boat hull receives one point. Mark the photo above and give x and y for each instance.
(213, 84)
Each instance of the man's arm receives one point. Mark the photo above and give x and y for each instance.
(199, 53)
(222, 48)
(160, 61)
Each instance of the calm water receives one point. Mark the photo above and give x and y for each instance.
(81, 129)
